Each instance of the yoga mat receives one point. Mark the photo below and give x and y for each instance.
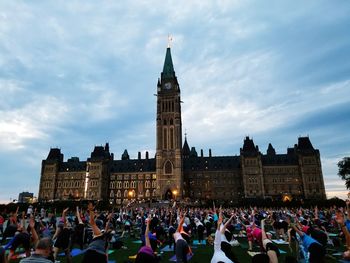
(280, 241)
(17, 256)
(112, 261)
(73, 253)
(110, 251)
(133, 257)
(173, 258)
(167, 249)
(137, 242)
(196, 242)
(282, 251)
(252, 254)
(332, 235)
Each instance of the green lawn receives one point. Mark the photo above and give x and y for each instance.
(202, 253)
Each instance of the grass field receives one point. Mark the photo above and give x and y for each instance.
(202, 253)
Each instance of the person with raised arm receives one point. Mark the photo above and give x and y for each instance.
(271, 249)
(311, 246)
(146, 254)
(43, 248)
(341, 221)
(78, 233)
(219, 255)
(182, 248)
(97, 249)
(226, 237)
(21, 238)
(62, 237)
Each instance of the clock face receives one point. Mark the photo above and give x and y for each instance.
(167, 85)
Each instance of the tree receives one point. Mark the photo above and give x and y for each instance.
(344, 171)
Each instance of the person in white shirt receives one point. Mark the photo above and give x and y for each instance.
(219, 255)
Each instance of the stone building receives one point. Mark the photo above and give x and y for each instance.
(177, 171)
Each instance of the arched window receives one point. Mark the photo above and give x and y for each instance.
(147, 193)
(171, 139)
(126, 184)
(154, 184)
(125, 193)
(111, 194)
(133, 184)
(119, 194)
(168, 167)
(165, 139)
(147, 184)
(119, 184)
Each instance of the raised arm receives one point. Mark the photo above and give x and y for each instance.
(348, 208)
(64, 213)
(219, 220)
(181, 222)
(228, 222)
(300, 233)
(96, 231)
(78, 215)
(341, 221)
(263, 233)
(35, 237)
(147, 241)
(110, 215)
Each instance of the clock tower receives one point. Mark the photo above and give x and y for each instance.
(169, 133)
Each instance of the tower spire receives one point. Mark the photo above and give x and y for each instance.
(168, 68)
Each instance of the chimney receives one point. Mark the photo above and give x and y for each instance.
(201, 152)
(139, 155)
(209, 152)
(147, 155)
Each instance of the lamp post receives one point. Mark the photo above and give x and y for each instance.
(130, 194)
(175, 193)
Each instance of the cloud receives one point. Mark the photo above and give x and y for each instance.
(84, 73)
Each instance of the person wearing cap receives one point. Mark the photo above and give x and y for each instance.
(270, 248)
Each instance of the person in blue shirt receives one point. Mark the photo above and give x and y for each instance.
(316, 250)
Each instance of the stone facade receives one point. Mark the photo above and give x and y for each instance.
(178, 172)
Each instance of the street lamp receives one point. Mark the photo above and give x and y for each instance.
(175, 193)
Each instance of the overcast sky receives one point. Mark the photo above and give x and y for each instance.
(75, 74)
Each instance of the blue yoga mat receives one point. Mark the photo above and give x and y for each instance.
(167, 249)
(196, 242)
(74, 252)
(173, 258)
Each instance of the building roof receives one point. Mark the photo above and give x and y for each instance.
(133, 165)
(55, 155)
(73, 165)
(211, 163)
(168, 68)
(279, 159)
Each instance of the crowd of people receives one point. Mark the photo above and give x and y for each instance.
(45, 235)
